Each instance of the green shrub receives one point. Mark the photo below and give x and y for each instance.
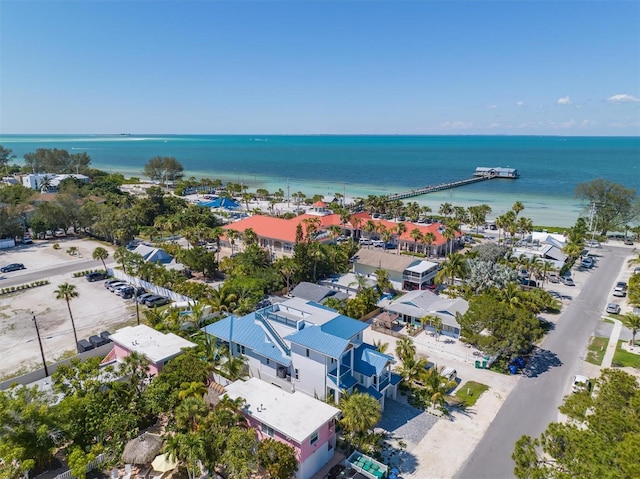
(56, 246)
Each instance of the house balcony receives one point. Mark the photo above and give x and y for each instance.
(346, 379)
(384, 381)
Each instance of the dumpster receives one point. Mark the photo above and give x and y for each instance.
(477, 364)
(484, 364)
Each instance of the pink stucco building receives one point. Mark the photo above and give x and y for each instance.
(156, 346)
(305, 423)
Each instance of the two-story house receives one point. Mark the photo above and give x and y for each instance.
(306, 424)
(303, 346)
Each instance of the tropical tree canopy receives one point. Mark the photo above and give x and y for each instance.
(615, 205)
(601, 439)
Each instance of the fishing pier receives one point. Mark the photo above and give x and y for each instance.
(482, 173)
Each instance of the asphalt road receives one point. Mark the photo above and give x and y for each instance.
(24, 276)
(533, 404)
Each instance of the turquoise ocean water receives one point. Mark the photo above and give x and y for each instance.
(550, 167)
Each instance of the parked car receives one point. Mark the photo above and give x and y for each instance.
(159, 301)
(587, 262)
(567, 280)
(143, 297)
(12, 267)
(628, 241)
(529, 282)
(109, 282)
(125, 292)
(593, 244)
(365, 241)
(553, 278)
(378, 244)
(613, 308)
(580, 383)
(619, 291)
(96, 276)
(113, 286)
(622, 285)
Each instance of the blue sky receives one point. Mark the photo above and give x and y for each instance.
(320, 67)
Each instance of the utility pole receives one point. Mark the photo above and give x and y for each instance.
(44, 362)
(135, 298)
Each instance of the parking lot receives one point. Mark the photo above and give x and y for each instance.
(95, 309)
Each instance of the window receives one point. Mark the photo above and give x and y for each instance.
(266, 430)
(375, 380)
(240, 348)
(307, 352)
(314, 438)
(267, 361)
(297, 374)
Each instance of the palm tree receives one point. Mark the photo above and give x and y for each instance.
(121, 257)
(380, 346)
(67, 292)
(186, 448)
(232, 236)
(360, 413)
(193, 389)
(446, 209)
(517, 207)
(454, 266)
(414, 371)
(437, 386)
(632, 321)
(416, 235)
(449, 234)
(360, 282)
(405, 349)
(222, 299)
(429, 238)
(101, 254)
(400, 230)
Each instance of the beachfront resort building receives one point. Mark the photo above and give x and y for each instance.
(279, 235)
(415, 305)
(157, 347)
(303, 346)
(306, 424)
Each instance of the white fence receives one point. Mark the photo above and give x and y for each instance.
(152, 288)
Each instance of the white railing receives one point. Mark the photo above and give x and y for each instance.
(90, 467)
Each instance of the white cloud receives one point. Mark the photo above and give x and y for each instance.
(520, 103)
(456, 125)
(492, 107)
(565, 100)
(623, 98)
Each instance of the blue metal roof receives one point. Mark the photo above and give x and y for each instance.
(369, 361)
(371, 391)
(344, 327)
(395, 379)
(313, 337)
(246, 332)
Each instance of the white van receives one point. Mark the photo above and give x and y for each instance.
(450, 374)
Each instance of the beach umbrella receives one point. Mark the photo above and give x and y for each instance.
(163, 464)
(142, 449)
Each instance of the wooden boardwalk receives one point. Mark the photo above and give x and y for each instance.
(434, 188)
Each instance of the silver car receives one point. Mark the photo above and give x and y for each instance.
(613, 308)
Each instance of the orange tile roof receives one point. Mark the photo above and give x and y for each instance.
(285, 230)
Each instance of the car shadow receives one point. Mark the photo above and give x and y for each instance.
(540, 362)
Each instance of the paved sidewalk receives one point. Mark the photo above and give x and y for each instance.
(613, 343)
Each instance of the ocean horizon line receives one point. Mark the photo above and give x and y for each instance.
(408, 135)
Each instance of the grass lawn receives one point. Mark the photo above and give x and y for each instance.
(474, 389)
(607, 320)
(596, 350)
(624, 358)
